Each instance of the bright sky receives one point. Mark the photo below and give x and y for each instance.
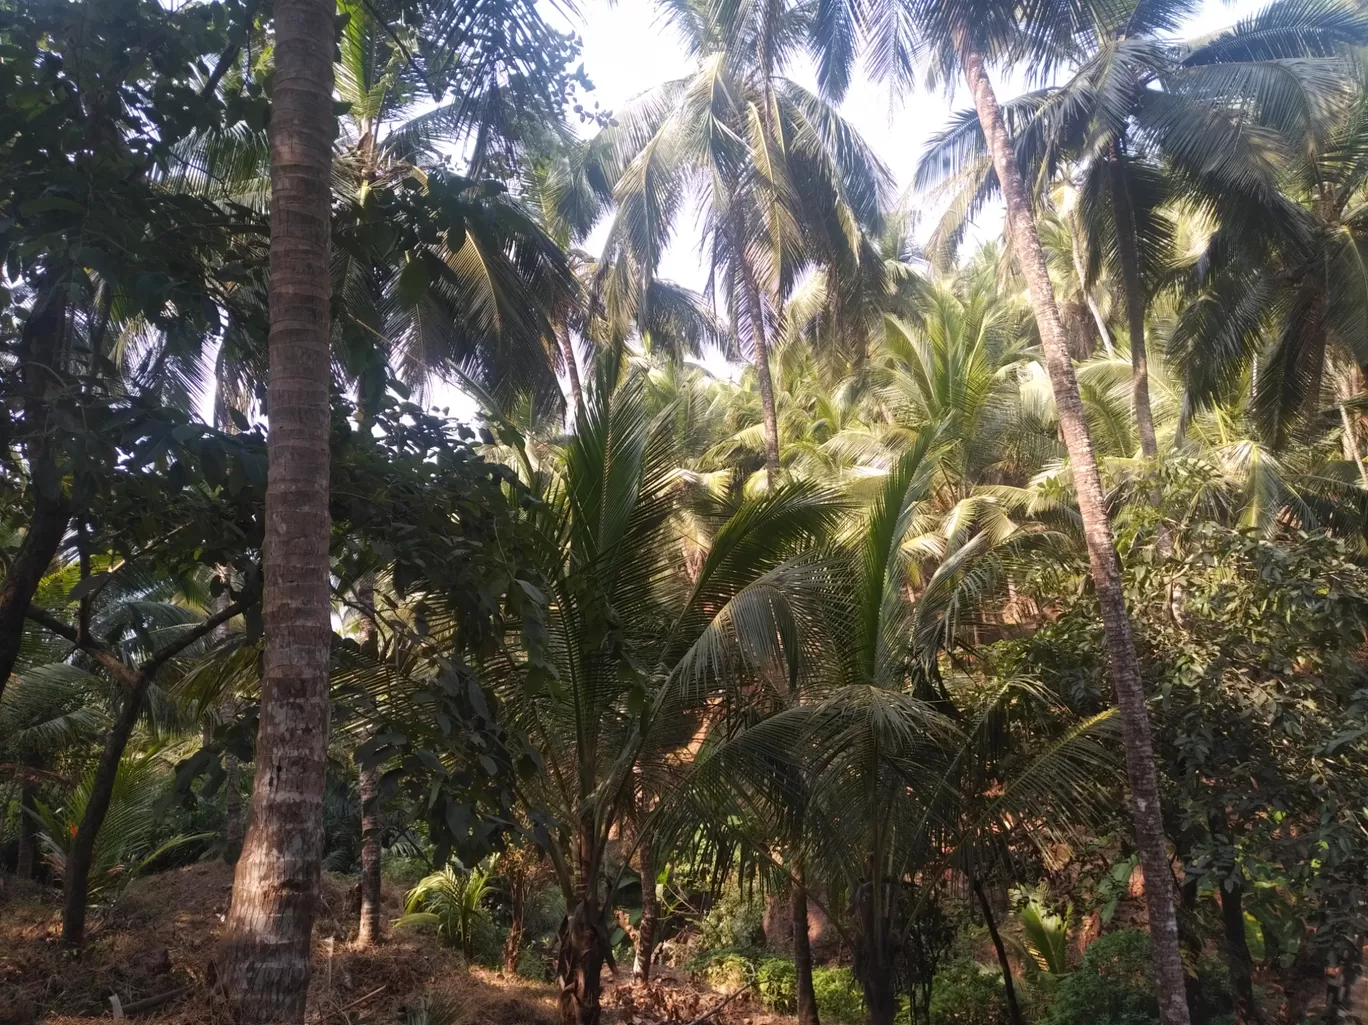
(629, 47)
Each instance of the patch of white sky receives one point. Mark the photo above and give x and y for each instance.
(629, 47)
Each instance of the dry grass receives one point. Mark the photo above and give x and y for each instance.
(163, 933)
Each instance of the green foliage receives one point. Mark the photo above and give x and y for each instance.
(968, 993)
(1046, 931)
(839, 996)
(776, 980)
(1113, 985)
(454, 902)
(128, 843)
(735, 921)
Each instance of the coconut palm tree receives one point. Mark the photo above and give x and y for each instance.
(643, 643)
(1145, 118)
(963, 38)
(264, 963)
(1285, 293)
(782, 179)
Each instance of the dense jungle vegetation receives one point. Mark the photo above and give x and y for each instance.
(987, 647)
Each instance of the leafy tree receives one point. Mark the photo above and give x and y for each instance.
(965, 38)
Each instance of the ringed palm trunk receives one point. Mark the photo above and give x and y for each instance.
(1129, 253)
(1105, 565)
(650, 906)
(802, 949)
(756, 317)
(583, 944)
(368, 930)
(264, 962)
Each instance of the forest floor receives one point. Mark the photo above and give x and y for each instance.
(161, 935)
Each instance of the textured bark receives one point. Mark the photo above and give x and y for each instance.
(579, 965)
(263, 965)
(802, 950)
(1014, 1014)
(76, 871)
(1105, 566)
(571, 368)
(1237, 954)
(1091, 303)
(368, 931)
(583, 941)
(232, 814)
(650, 908)
(1129, 253)
(874, 952)
(516, 928)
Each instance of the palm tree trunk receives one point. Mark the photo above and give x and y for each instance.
(650, 908)
(232, 809)
(368, 931)
(264, 962)
(1106, 567)
(571, 368)
(76, 871)
(802, 949)
(760, 353)
(1129, 253)
(1097, 317)
(582, 943)
(1014, 1014)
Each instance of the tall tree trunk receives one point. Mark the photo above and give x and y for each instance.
(1088, 299)
(264, 962)
(571, 367)
(1014, 1014)
(368, 931)
(1129, 253)
(1106, 567)
(76, 871)
(1237, 953)
(802, 949)
(232, 809)
(517, 918)
(874, 953)
(650, 907)
(755, 315)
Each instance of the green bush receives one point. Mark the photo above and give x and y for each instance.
(968, 993)
(734, 921)
(1111, 987)
(777, 982)
(727, 970)
(536, 964)
(839, 997)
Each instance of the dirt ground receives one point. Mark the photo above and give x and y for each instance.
(161, 935)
